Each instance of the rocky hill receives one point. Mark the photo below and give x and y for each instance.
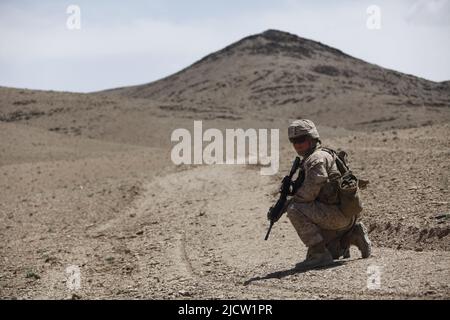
(279, 75)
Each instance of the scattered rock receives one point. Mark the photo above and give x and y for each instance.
(32, 275)
(75, 296)
(185, 293)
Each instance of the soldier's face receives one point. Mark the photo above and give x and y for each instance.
(302, 147)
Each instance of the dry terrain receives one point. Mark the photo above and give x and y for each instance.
(87, 180)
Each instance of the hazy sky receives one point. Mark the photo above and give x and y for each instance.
(132, 42)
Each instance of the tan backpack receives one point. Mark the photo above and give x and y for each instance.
(347, 185)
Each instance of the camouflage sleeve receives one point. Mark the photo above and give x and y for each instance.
(315, 178)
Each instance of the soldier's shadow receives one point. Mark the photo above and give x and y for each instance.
(298, 269)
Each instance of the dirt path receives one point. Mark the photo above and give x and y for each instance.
(201, 236)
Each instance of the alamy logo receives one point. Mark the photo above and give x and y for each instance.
(374, 277)
(74, 20)
(73, 277)
(374, 20)
(235, 147)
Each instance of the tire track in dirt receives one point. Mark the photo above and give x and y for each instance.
(183, 255)
(207, 224)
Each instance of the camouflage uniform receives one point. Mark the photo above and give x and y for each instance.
(313, 210)
(314, 206)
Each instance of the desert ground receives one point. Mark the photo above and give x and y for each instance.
(87, 180)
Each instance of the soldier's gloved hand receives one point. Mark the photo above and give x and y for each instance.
(273, 217)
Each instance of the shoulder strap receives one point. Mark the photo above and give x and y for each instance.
(342, 167)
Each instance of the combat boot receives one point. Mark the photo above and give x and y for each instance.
(337, 249)
(359, 237)
(317, 256)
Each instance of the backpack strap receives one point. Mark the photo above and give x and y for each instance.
(341, 165)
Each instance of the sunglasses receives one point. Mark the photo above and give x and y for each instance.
(297, 140)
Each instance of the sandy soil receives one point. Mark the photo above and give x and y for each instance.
(87, 180)
(197, 231)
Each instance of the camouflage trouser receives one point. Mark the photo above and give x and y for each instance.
(310, 217)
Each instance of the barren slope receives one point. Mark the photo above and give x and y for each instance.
(279, 75)
(87, 180)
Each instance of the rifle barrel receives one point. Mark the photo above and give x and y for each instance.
(268, 231)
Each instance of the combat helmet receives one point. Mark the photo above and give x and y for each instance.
(302, 127)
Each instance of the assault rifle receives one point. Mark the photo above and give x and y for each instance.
(287, 188)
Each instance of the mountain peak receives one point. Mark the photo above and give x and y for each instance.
(274, 42)
(277, 35)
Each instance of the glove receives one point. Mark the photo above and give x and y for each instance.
(272, 215)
